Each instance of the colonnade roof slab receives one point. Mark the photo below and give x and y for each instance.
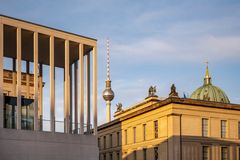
(44, 33)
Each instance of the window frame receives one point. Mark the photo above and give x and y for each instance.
(227, 152)
(99, 142)
(118, 138)
(111, 156)
(205, 127)
(125, 133)
(135, 155)
(144, 153)
(144, 132)
(104, 142)
(223, 129)
(110, 140)
(238, 129)
(155, 128)
(208, 152)
(156, 154)
(134, 134)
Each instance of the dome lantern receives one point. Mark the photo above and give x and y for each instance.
(207, 78)
(209, 92)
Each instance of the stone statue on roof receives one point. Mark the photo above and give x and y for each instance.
(173, 92)
(119, 107)
(152, 91)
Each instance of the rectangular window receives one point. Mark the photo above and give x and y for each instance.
(118, 156)
(104, 142)
(144, 132)
(104, 156)
(134, 155)
(238, 153)
(126, 156)
(205, 153)
(118, 138)
(223, 128)
(99, 143)
(125, 136)
(134, 134)
(111, 156)
(239, 131)
(144, 154)
(155, 153)
(156, 129)
(224, 153)
(204, 127)
(110, 140)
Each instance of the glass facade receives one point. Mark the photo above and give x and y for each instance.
(10, 113)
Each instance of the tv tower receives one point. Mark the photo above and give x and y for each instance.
(108, 93)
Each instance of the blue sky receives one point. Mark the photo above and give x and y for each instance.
(151, 42)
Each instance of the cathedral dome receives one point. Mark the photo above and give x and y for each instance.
(209, 92)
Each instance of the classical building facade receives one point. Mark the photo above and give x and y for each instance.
(21, 92)
(203, 127)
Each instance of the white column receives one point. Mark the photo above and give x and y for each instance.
(52, 85)
(19, 79)
(67, 88)
(36, 72)
(81, 87)
(1, 76)
(88, 93)
(95, 89)
(76, 97)
(70, 99)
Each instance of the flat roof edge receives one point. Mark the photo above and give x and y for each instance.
(1, 15)
(174, 100)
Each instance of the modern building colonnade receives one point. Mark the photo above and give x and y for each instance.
(21, 40)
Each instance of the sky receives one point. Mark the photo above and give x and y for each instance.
(157, 42)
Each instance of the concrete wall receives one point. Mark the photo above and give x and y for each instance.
(30, 145)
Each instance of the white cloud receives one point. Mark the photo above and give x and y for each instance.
(196, 49)
(224, 45)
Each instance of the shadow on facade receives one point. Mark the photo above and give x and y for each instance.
(181, 148)
(163, 148)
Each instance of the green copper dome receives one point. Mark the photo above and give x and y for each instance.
(209, 92)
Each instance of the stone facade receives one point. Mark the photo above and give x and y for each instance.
(172, 129)
(29, 145)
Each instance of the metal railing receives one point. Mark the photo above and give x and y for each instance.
(45, 125)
